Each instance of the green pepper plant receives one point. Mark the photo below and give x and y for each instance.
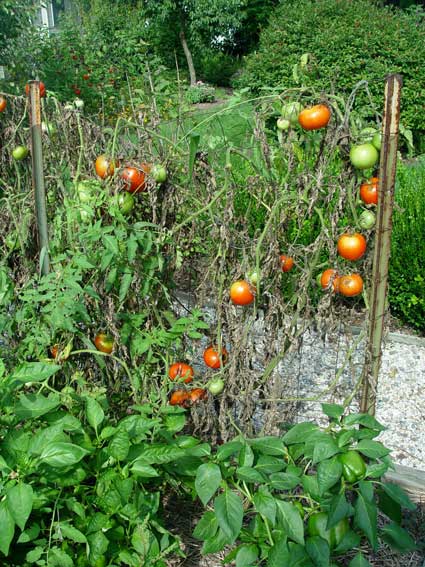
(304, 498)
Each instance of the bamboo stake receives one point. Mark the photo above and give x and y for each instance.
(37, 175)
(381, 256)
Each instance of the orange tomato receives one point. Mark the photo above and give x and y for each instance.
(198, 394)
(212, 357)
(42, 89)
(286, 263)
(104, 343)
(351, 246)
(3, 103)
(315, 117)
(242, 293)
(54, 350)
(181, 370)
(134, 179)
(330, 275)
(369, 191)
(350, 285)
(104, 167)
(180, 398)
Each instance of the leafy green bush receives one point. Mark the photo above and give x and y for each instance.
(406, 276)
(303, 498)
(218, 68)
(200, 93)
(348, 42)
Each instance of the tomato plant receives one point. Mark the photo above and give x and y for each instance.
(212, 357)
(286, 263)
(350, 285)
(242, 293)
(42, 89)
(3, 103)
(315, 117)
(364, 156)
(104, 343)
(351, 246)
(369, 191)
(134, 179)
(20, 152)
(104, 167)
(181, 370)
(328, 276)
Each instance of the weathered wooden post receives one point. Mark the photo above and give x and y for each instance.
(378, 297)
(37, 174)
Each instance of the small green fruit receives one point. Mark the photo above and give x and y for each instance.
(159, 173)
(367, 220)
(126, 202)
(283, 123)
(377, 140)
(20, 152)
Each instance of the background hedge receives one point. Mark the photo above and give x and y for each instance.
(349, 40)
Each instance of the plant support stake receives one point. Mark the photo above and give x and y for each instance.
(381, 255)
(37, 174)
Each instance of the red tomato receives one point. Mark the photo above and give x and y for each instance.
(181, 370)
(77, 91)
(242, 293)
(3, 103)
(198, 394)
(86, 76)
(286, 263)
(212, 357)
(328, 276)
(350, 285)
(104, 167)
(352, 246)
(180, 398)
(316, 117)
(42, 89)
(134, 179)
(104, 342)
(369, 191)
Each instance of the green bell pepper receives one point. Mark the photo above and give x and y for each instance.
(353, 466)
(317, 527)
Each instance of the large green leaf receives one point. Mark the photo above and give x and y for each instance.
(324, 449)
(228, 508)
(268, 445)
(207, 526)
(247, 555)
(398, 495)
(359, 561)
(363, 419)
(398, 538)
(119, 445)
(34, 372)
(372, 449)
(208, 479)
(333, 410)
(299, 433)
(70, 532)
(291, 521)
(35, 405)
(265, 504)
(365, 518)
(7, 528)
(61, 455)
(339, 509)
(318, 550)
(19, 501)
(94, 412)
(328, 473)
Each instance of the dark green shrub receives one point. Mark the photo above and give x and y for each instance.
(200, 93)
(406, 277)
(349, 41)
(218, 68)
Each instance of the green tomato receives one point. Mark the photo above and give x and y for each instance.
(159, 173)
(367, 220)
(87, 189)
(20, 152)
(216, 386)
(290, 111)
(126, 202)
(377, 140)
(253, 278)
(364, 156)
(283, 123)
(353, 466)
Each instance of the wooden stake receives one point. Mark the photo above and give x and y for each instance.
(38, 176)
(378, 297)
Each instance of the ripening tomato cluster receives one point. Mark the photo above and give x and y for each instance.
(183, 372)
(311, 118)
